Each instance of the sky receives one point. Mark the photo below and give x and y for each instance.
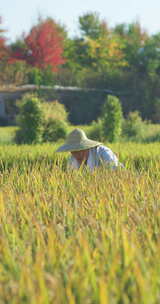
(20, 15)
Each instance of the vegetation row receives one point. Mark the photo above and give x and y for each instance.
(124, 59)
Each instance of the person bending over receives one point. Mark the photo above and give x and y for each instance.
(87, 152)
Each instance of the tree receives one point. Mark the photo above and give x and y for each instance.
(134, 39)
(156, 111)
(112, 118)
(149, 55)
(133, 126)
(105, 53)
(18, 51)
(3, 47)
(54, 129)
(15, 73)
(43, 46)
(98, 48)
(92, 26)
(35, 76)
(30, 120)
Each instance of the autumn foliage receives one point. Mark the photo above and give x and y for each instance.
(3, 48)
(43, 46)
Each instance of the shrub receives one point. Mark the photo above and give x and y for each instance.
(35, 76)
(30, 120)
(156, 111)
(133, 126)
(53, 130)
(41, 77)
(112, 118)
(13, 74)
(48, 76)
(54, 110)
(96, 131)
(152, 138)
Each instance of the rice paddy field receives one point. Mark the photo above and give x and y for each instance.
(79, 237)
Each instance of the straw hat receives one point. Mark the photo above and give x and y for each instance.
(77, 141)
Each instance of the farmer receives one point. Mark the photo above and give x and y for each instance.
(87, 152)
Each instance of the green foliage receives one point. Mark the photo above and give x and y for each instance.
(156, 111)
(41, 76)
(56, 120)
(40, 122)
(48, 76)
(149, 56)
(133, 126)
(35, 76)
(124, 59)
(90, 25)
(112, 118)
(98, 49)
(134, 38)
(13, 74)
(54, 130)
(96, 130)
(153, 138)
(7, 135)
(30, 120)
(55, 110)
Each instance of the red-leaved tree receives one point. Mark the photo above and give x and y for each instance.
(43, 46)
(3, 48)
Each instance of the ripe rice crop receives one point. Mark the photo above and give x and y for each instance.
(79, 237)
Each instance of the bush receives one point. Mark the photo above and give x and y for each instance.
(96, 131)
(156, 111)
(133, 126)
(48, 76)
(54, 130)
(35, 76)
(13, 74)
(152, 138)
(41, 77)
(30, 120)
(55, 110)
(112, 118)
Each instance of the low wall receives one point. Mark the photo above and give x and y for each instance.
(83, 105)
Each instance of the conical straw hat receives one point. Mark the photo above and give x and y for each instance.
(77, 141)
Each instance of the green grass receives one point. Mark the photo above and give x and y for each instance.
(151, 133)
(7, 135)
(132, 155)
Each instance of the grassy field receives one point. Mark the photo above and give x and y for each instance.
(151, 133)
(7, 135)
(76, 237)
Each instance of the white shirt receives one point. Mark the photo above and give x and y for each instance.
(98, 156)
